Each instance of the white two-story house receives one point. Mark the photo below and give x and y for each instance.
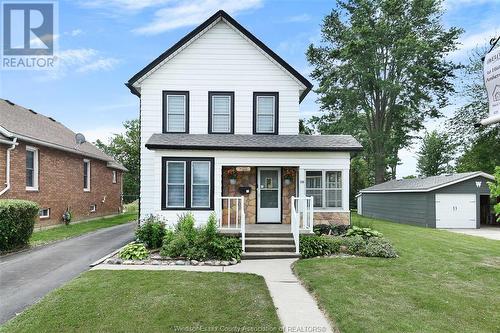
(219, 115)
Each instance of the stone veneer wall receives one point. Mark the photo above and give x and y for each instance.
(249, 179)
(331, 218)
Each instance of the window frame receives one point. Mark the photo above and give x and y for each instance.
(188, 187)
(256, 95)
(211, 94)
(183, 184)
(86, 187)
(192, 184)
(36, 169)
(114, 176)
(324, 189)
(93, 208)
(165, 95)
(44, 216)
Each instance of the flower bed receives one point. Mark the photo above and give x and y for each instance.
(182, 244)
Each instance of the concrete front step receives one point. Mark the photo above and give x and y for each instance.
(269, 248)
(269, 255)
(269, 240)
(268, 235)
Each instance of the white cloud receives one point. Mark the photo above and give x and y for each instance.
(298, 18)
(101, 133)
(192, 12)
(75, 32)
(470, 41)
(124, 5)
(457, 4)
(78, 60)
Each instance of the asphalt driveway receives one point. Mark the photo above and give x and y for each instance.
(26, 277)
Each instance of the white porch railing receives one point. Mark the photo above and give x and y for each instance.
(302, 215)
(232, 216)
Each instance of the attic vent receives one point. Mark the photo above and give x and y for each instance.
(51, 119)
(32, 111)
(9, 102)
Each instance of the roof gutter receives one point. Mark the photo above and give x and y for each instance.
(7, 178)
(154, 146)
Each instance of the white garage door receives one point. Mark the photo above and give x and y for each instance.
(455, 211)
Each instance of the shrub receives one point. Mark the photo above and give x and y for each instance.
(354, 244)
(313, 246)
(334, 244)
(362, 223)
(379, 247)
(151, 232)
(330, 229)
(199, 243)
(134, 251)
(17, 220)
(363, 232)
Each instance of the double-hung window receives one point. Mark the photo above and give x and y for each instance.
(86, 175)
(114, 176)
(187, 183)
(31, 169)
(176, 112)
(220, 112)
(265, 106)
(325, 187)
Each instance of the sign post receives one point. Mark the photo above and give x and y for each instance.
(492, 83)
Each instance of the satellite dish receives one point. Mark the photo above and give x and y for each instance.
(79, 138)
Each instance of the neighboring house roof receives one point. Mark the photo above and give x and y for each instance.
(424, 184)
(200, 29)
(259, 142)
(30, 126)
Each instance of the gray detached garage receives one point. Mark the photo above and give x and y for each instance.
(458, 200)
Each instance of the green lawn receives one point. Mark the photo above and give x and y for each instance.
(72, 230)
(152, 301)
(442, 282)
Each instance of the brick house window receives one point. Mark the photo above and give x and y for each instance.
(86, 175)
(31, 169)
(93, 208)
(114, 177)
(44, 213)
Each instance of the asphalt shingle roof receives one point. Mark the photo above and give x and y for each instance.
(422, 184)
(32, 125)
(254, 142)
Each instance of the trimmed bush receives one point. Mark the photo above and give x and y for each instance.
(17, 220)
(379, 247)
(134, 251)
(151, 232)
(354, 244)
(313, 246)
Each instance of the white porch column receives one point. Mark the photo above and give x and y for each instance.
(302, 182)
(345, 190)
(217, 190)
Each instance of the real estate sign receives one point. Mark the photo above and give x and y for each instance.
(492, 82)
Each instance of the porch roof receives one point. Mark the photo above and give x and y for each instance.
(258, 142)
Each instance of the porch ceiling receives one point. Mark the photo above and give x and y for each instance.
(238, 142)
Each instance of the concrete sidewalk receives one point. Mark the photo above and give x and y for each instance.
(485, 232)
(296, 308)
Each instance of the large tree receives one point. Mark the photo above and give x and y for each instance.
(435, 154)
(382, 69)
(125, 148)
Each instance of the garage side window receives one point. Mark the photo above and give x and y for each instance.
(325, 186)
(31, 169)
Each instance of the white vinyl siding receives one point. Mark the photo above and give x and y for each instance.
(176, 113)
(221, 113)
(176, 184)
(266, 114)
(200, 184)
(31, 169)
(325, 187)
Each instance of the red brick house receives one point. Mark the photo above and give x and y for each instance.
(41, 161)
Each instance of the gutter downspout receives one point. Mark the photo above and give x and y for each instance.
(7, 179)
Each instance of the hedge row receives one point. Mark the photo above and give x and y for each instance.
(17, 220)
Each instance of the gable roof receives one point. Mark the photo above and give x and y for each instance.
(243, 142)
(30, 126)
(424, 184)
(211, 20)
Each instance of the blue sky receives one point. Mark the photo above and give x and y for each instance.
(102, 43)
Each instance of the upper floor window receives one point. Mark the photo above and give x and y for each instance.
(265, 112)
(31, 168)
(86, 175)
(114, 176)
(220, 112)
(176, 112)
(325, 187)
